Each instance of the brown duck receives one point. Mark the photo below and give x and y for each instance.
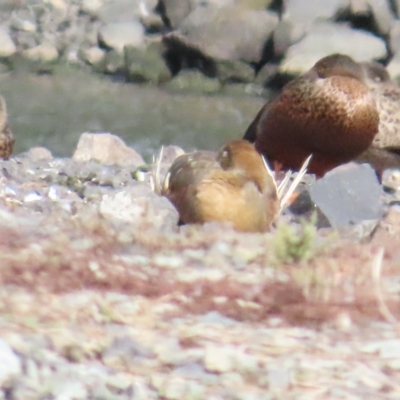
(6, 136)
(385, 149)
(328, 112)
(233, 187)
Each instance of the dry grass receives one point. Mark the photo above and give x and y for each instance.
(66, 255)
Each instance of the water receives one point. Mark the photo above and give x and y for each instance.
(52, 111)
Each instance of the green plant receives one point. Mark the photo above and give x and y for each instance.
(295, 243)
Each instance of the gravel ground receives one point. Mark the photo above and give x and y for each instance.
(104, 297)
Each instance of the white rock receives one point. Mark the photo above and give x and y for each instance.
(7, 46)
(44, 52)
(10, 364)
(119, 34)
(328, 38)
(106, 148)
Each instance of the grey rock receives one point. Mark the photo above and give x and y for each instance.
(214, 31)
(349, 194)
(305, 12)
(327, 38)
(107, 149)
(146, 65)
(175, 11)
(119, 34)
(10, 365)
(7, 46)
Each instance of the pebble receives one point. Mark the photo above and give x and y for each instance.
(10, 365)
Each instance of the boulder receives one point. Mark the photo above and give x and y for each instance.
(326, 38)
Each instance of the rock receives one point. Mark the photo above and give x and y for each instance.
(382, 15)
(305, 12)
(7, 46)
(285, 34)
(44, 52)
(394, 37)
(234, 71)
(35, 154)
(266, 74)
(91, 7)
(175, 11)
(219, 358)
(125, 10)
(107, 149)
(23, 25)
(119, 34)
(348, 194)
(394, 45)
(327, 38)
(254, 4)
(215, 32)
(125, 351)
(93, 55)
(385, 348)
(139, 205)
(394, 66)
(146, 65)
(113, 63)
(391, 180)
(70, 389)
(57, 4)
(194, 81)
(170, 153)
(10, 365)
(153, 23)
(298, 18)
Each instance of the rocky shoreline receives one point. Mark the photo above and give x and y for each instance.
(201, 46)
